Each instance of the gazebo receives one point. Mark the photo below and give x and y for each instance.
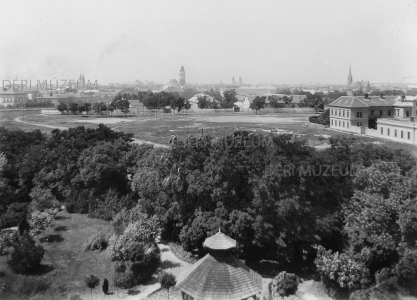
(219, 275)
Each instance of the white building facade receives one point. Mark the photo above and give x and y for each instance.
(396, 121)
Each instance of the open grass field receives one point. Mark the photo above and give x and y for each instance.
(164, 127)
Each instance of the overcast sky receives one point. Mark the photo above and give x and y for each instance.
(273, 41)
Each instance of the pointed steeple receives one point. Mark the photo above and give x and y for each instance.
(350, 78)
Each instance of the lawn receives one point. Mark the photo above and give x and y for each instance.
(65, 264)
(164, 127)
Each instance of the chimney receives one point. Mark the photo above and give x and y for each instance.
(402, 98)
(381, 96)
(366, 96)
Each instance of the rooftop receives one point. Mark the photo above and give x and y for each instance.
(220, 278)
(219, 241)
(360, 101)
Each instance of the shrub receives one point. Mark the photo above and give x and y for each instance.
(342, 269)
(406, 270)
(284, 284)
(167, 280)
(26, 256)
(109, 205)
(99, 242)
(144, 261)
(40, 221)
(360, 295)
(92, 282)
(105, 286)
(181, 253)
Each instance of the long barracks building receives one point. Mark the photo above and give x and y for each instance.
(397, 120)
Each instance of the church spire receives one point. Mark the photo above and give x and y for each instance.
(350, 78)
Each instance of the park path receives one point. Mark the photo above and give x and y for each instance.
(41, 125)
(135, 141)
(169, 263)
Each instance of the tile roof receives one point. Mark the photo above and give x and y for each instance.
(360, 101)
(12, 91)
(218, 278)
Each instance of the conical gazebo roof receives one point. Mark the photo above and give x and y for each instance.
(219, 275)
(219, 241)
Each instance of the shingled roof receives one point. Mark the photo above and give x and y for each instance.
(219, 241)
(220, 278)
(219, 275)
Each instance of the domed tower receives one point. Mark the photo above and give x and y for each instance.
(350, 79)
(182, 76)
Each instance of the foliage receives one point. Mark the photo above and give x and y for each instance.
(258, 103)
(179, 103)
(284, 284)
(142, 264)
(136, 237)
(342, 269)
(40, 221)
(27, 256)
(203, 102)
(167, 280)
(229, 98)
(406, 270)
(42, 200)
(105, 286)
(3, 161)
(99, 242)
(181, 253)
(92, 282)
(323, 118)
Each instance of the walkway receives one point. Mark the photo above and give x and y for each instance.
(169, 263)
(41, 125)
(135, 141)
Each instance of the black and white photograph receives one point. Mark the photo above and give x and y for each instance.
(208, 150)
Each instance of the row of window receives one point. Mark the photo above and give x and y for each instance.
(341, 112)
(14, 99)
(341, 123)
(395, 133)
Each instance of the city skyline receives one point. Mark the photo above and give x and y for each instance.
(266, 42)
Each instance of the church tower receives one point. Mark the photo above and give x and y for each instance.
(350, 79)
(81, 82)
(182, 76)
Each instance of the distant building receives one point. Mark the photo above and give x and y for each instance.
(233, 81)
(240, 81)
(13, 96)
(194, 100)
(397, 120)
(357, 86)
(182, 77)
